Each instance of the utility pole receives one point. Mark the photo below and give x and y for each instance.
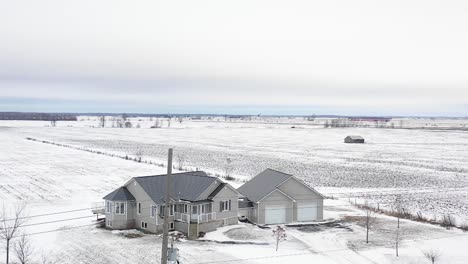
(166, 209)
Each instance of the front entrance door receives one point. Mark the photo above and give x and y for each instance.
(194, 214)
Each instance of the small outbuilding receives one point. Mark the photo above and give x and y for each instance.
(354, 139)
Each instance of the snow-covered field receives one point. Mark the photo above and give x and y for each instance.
(428, 168)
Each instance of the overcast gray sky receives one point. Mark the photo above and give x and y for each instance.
(245, 56)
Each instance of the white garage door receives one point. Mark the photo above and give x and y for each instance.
(275, 214)
(306, 212)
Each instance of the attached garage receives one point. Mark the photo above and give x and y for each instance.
(275, 214)
(306, 212)
(280, 198)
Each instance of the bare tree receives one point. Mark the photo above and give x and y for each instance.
(102, 121)
(169, 122)
(157, 124)
(45, 258)
(9, 227)
(399, 235)
(24, 250)
(128, 124)
(432, 255)
(139, 155)
(181, 159)
(119, 122)
(280, 235)
(369, 220)
(53, 123)
(399, 208)
(228, 168)
(180, 119)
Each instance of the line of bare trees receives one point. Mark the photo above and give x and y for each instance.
(398, 205)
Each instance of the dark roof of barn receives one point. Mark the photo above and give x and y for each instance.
(355, 137)
(186, 186)
(121, 194)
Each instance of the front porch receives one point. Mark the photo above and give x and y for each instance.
(194, 213)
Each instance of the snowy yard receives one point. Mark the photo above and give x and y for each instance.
(245, 243)
(428, 168)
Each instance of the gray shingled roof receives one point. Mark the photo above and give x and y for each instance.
(121, 194)
(263, 184)
(186, 186)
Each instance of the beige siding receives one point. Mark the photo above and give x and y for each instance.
(155, 224)
(120, 221)
(275, 198)
(302, 194)
(227, 193)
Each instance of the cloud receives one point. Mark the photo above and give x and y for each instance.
(336, 54)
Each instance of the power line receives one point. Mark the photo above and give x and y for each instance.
(55, 213)
(57, 230)
(57, 221)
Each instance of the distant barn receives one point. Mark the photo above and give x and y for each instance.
(354, 139)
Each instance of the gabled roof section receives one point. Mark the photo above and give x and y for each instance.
(217, 190)
(186, 186)
(121, 194)
(263, 184)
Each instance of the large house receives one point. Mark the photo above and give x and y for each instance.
(274, 197)
(199, 203)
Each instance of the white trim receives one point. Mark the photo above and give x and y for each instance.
(301, 182)
(220, 182)
(109, 205)
(117, 204)
(232, 188)
(258, 213)
(224, 202)
(273, 192)
(153, 212)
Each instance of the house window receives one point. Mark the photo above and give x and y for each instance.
(144, 225)
(171, 226)
(119, 208)
(138, 208)
(153, 210)
(109, 222)
(108, 206)
(205, 208)
(185, 208)
(225, 205)
(162, 210)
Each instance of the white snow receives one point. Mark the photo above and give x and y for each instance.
(428, 168)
